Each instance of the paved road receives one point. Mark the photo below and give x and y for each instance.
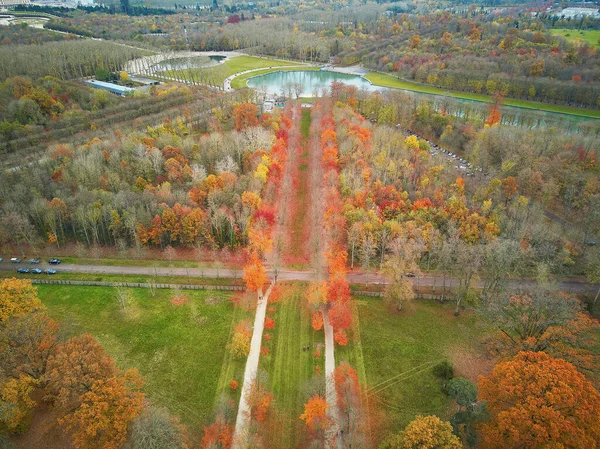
(572, 285)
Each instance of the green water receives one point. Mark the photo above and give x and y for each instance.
(312, 82)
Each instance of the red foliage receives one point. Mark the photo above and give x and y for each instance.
(340, 316)
(218, 434)
(269, 323)
(233, 385)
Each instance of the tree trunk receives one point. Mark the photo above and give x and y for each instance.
(443, 288)
(596, 298)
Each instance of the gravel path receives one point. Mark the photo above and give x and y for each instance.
(243, 415)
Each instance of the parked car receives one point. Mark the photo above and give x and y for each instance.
(15, 260)
(54, 261)
(33, 261)
(591, 243)
(50, 271)
(36, 271)
(1, 259)
(411, 275)
(22, 270)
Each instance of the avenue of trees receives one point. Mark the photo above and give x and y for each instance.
(63, 60)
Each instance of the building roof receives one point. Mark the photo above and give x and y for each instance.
(109, 86)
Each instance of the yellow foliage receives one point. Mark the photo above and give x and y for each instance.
(17, 297)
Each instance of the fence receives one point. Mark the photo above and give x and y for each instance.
(139, 285)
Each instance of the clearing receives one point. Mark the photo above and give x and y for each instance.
(180, 350)
(592, 37)
(399, 351)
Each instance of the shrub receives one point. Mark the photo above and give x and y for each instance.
(443, 370)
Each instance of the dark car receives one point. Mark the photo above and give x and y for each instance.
(411, 275)
(50, 271)
(22, 270)
(54, 261)
(591, 243)
(33, 261)
(15, 260)
(36, 271)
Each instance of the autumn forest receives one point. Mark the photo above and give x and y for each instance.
(309, 224)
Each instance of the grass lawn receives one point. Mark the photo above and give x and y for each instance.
(216, 75)
(385, 80)
(400, 349)
(592, 37)
(239, 82)
(179, 350)
(291, 370)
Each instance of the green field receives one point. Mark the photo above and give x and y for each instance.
(385, 80)
(179, 350)
(592, 37)
(291, 370)
(239, 82)
(399, 350)
(216, 75)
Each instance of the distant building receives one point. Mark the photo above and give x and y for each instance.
(14, 2)
(145, 81)
(114, 88)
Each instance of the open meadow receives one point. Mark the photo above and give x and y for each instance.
(179, 349)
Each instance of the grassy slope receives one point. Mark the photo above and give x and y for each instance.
(592, 37)
(180, 351)
(234, 65)
(410, 343)
(382, 79)
(290, 368)
(239, 82)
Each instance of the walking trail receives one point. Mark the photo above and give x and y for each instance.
(243, 415)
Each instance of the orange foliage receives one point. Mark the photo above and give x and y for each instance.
(259, 400)
(315, 413)
(255, 274)
(536, 400)
(218, 435)
(245, 115)
(102, 419)
(75, 367)
(317, 321)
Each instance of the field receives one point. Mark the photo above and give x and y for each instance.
(385, 80)
(400, 349)
(217, 74)
(179, 350)
(292, 371)
(592, 37)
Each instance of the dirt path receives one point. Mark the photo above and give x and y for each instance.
(286, 195)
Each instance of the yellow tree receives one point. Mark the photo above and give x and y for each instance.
(17, 297)
(426, 432)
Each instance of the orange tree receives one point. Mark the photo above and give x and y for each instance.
(102, 419)
(536, 400)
